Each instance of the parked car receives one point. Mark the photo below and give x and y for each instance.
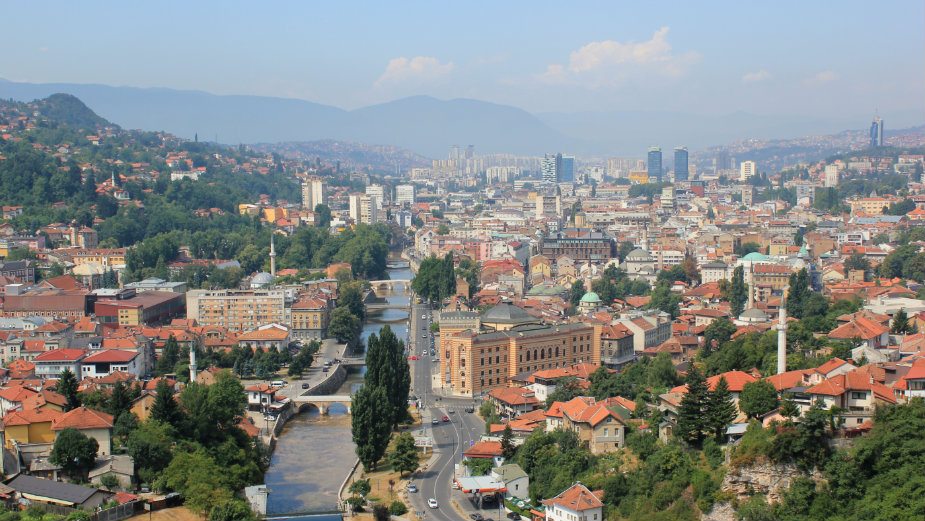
(432, 503)
(305, 385)
(513, 516)
(470, 409)
(434, 422)
(324, 369)
(446, 418)
(412, 488)
(476, 517)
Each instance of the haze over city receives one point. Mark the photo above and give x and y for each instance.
(474, 261)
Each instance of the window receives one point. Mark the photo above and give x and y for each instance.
(858, 395)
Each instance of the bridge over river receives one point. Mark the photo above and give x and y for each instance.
(322, 403)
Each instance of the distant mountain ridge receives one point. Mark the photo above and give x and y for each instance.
(427, 125)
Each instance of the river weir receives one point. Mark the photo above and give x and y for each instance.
(314, 452)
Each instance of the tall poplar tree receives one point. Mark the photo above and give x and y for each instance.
(721, 410)
(692, 420)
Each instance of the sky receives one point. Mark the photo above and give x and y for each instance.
(816, 58)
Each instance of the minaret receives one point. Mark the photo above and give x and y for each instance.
(272, 257)
(192, 364)
(782, 335)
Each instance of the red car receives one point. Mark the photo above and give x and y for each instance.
(446, 418)
(413, 357)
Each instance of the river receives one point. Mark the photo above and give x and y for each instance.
(314, 453)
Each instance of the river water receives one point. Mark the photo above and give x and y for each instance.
(314, 453)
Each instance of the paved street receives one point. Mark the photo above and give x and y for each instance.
(450, 438)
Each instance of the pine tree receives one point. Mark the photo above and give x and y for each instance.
(798, 293)
(721, 410)
(738, 292)
(405, 456)
(692, 422)
(67, 386)
(900, 323)
(119, 400)
(170, 355)
(165, 408)
(507, 443)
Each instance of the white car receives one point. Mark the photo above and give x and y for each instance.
(424, 317)
(432, 503)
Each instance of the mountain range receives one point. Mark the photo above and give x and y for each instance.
(427, 125)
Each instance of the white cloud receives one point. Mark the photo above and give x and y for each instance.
(821, 77)
(757, 76)
(418, 68)
(609, 62)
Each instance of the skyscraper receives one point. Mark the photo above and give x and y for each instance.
(747, 169)
(681, 168)
(876, 133)
(565, 168)
(548, 169)
(654, 166)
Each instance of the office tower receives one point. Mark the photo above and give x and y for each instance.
(470, 151)
(377, 193)
(548, 169)
(876, 133)
(565, 168)
(721, 161)
(681, 167)
(747, 170)
(654, 166)
(363, 209)
(404, 194)
(313, 193)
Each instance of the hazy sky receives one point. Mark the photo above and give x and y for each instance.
(817, 57)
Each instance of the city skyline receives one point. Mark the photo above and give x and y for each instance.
(686, 58)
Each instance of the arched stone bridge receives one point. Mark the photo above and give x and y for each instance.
(322, 402)
(389, 284)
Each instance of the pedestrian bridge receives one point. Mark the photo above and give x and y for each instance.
(322, 402)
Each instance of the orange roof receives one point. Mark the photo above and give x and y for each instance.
(270, 333)
(514, 396)
(576, 498)
(83, 418)
(41, 398)
(30, 416)
(831, 365)
(858, 327)
(16, 394)
(788, 380)
(61, 355)
(736, 380)
(484, 449)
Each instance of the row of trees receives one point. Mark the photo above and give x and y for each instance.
(436, 278)
(346, 322)
(382, 402)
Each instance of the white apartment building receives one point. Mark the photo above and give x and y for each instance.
(576, 503)
(363, 209)
(747, 170)
(831, 176)
(313, 193)
(377, 193)
(403, 194)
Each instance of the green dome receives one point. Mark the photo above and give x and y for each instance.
(590, 298)
(755, 256)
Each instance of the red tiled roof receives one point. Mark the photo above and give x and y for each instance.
(83, 418)
(514, 396)
(61, 355)
(484, 449)
(576, 498)
(831, 365)
(111, 356)
(858, 327)
(30, 416)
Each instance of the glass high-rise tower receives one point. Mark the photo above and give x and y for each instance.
(654, 165)
(681, 167)
(876, 133)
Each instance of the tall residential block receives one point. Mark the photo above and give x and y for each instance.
(654, 165)
(363, 209)
(313, 193)
(237, 310)
(404, 194)
(681, 166)
(747, 170)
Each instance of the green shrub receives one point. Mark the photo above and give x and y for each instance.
(755, 444)
(397, 508)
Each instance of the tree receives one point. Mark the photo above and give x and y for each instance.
(170, 355)
(387, 367)
(789, 409)
(720, 410)
(857, 261)
(507, 443)
(665, 300)
(369, 427)
(405, 456)
(119, 400)
(798, 293)
(576, 292)
(900, 324)
(692, 420)
(110, 481)
(604, 384)
(67, 387)
(738, 292)
(198, 478)
(360, 487)
(344, 326)
(125, 424)
(381, 512)
(150, 447)
(661, 372)
(716, 334)
(165, 408)
(74, 452)
(757, 398)
(233, 510)
(397, 508)
(322, 216)
(566, 389)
